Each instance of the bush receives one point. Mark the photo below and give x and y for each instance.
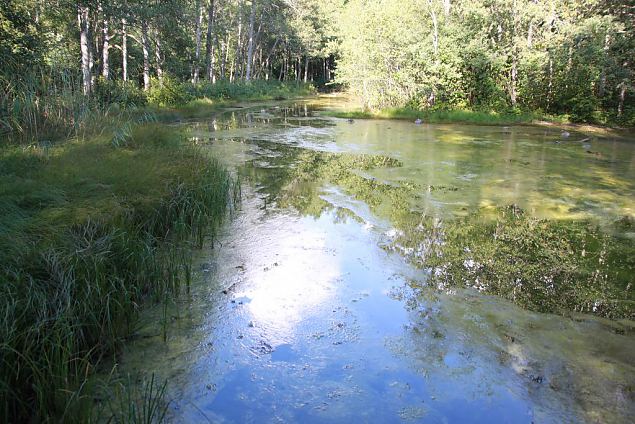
(257, 89)
(123, 93)
(583, 109)
(168, 92)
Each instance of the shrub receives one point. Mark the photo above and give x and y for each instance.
(125, 94)
(583, 109)
(168, 92)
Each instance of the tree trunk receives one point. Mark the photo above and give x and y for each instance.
(82, 17)
(235, 62)
(267, 70)
(306, 68)
(446, 8)
(250, 46)
(213, 58)
(105, 65)
(514, 77)
(145, 46)
(602, 84)
(514, 51)
(157, 55)
(198, 35)
(124, 49)
(209, 42)
(550, 83)
(281, 75)
(620, 106)
(435, 25)
(224, 56)
(92, 48)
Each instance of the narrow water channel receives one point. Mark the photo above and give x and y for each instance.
(313, 307)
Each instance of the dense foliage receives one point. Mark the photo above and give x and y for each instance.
(67, 62)
(561, 56)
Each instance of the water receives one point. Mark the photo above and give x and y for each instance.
(307, 312)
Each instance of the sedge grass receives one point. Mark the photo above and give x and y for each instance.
(89, 231)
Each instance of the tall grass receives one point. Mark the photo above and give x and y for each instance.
(42, 104)
(172, 93)
(89, 231)
(47, 104)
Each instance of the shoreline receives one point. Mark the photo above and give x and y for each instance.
(463, 117)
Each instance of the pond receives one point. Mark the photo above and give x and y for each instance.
(382, 271)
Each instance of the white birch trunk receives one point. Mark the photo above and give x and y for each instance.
(198, 35)
(209, 42)
(105, 64)
(446, 8)
(145, 46)
(157, 55)
(124, 49)
(82, 18)
(250, 46)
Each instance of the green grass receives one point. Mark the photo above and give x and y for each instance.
(448, 116)
(89, 231)
(99, 209)
(49, 106)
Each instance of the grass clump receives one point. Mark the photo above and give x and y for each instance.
(88, 232)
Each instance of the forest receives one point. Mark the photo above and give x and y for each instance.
(106, 192)
(559, 58)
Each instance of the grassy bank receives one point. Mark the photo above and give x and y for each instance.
(99, 209)
(185, 100)
(89, 231)
(50, 107)
(483, 118)
(449, 116)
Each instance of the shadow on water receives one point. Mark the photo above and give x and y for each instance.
(381, 271)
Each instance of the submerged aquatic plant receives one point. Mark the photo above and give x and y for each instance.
(544, 265)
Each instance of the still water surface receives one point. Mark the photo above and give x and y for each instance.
(303, 313)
